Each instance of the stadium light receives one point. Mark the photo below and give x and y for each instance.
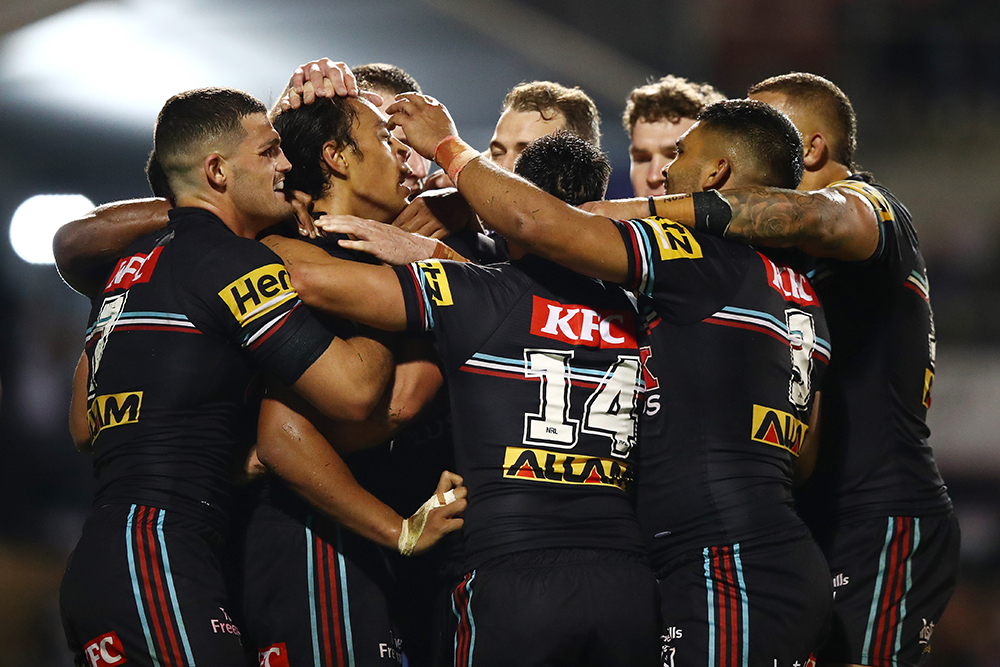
(35, 223)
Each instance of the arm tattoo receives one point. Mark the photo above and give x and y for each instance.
(776, 217)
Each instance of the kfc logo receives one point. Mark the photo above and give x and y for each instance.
(579, 325)
(135, 269)
(105, 651)
(274, 655)
(792, 285)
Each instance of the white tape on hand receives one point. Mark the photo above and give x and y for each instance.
(408, 535)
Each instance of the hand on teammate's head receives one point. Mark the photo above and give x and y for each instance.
(424, 120)
(322, 78)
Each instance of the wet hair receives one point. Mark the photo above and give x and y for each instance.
(382, 76)
(671, 98)
(157, 179)
(565, 166)
(764, 137)
(199, 117)
(550, 99)
(305, 130)
(825, 99)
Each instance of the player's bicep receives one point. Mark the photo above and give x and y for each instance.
(850, 228)
(347, 380)
(79, 429)
(588, 244)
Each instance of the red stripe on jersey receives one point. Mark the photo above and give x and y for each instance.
(635, 268)
(280, 323)
(142, 548)
(155, 327)
(323, 613)
(160, 590)
(420, 295)
(520, 376)
(335, 604)
(910, 286)
(749, 327)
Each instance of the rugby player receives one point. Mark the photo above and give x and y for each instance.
(655, 115)
(737, 348)
(556, 569)
(876, 504)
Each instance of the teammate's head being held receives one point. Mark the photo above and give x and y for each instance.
(342, 152)
(566, 166)
(736, 143)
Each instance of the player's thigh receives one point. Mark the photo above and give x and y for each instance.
(893, 577)
(145, 584)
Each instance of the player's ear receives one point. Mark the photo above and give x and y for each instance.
(816, 152)
(335, 159)
(716, 174)
(216, 171)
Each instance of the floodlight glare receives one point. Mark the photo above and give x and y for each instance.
(36, 220)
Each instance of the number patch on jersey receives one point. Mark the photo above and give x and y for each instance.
(257, 293)
(610, 411)
(801, 341)
(674, 240)
(437, 285)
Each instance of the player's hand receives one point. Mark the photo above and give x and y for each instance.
(619, 209)
(443, 519)
(424, 120)
(437, 214)
(321, 78)
(390, 244)
(302, 206)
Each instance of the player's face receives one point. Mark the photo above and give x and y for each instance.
(376, 179)
(685, 173)
(419, 165)
(515, 130)
(258, 170)
(654, 145)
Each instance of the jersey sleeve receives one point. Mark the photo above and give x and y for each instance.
(459, 303)
(897, 243)
(689, 275)
(246, 291)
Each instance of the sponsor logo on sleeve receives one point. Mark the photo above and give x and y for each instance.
(257, 293)
(777, 428)
(580, 325)
(112, 410)
(877, 200)
(275, 655)
(928, 385)
(133, 270)
(437, 285)
(791, 284)
(105, 651)
(674, 240)
(542, 465)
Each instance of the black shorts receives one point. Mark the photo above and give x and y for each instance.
(892, 577)
(145, 584)
(727, 606)
(314, 594)
(558, 606)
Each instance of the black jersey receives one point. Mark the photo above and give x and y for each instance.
(542, 368)
(182, 324)
(874, 458)
(737, 347)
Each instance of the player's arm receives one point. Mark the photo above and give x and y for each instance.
(390, 244)
(290, 446)
(86, 249)
(79, 429)
(519, 211)
(835, 222)
(363, 293)
(804, 465)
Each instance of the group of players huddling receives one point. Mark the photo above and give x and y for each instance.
(304, 333)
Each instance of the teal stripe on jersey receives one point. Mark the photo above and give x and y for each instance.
(310, 576)
(866, 648)
(342, 566)
(136, 591)
(170, 587)
(711, 607)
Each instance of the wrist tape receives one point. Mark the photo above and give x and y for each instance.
(453, 155)
(712, 213)
(408, 536)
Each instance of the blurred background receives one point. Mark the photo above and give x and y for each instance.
(81, 83)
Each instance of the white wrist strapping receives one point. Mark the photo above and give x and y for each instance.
(408, 536)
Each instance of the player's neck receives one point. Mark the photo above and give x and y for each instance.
(341, 202)
(831, 172)
(238, 223)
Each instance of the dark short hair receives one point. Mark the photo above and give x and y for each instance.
(671, 98)
(157, 179)
(382, 76)
(764, 136)
(824, 98)
(549, 99)
(195, 117)
(305, 130)
(565, 166)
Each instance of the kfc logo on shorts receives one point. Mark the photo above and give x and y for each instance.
(105, 651)
(274, 655)
(579, 325)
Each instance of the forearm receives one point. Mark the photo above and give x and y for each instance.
(291, 447)
(79, 429)
(86, 249)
